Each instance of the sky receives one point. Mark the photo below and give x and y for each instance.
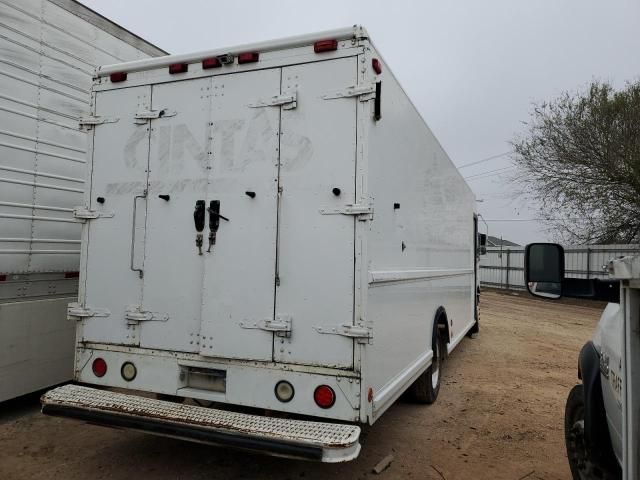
(472, 68)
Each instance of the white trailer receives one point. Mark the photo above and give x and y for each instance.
(49, 50)
(271, 226)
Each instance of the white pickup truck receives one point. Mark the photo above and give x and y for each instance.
(603, 411)
(270, 226)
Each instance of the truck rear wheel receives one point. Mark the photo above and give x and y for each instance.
(581, 462)
(426, 387)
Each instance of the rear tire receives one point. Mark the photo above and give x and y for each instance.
(427, 386)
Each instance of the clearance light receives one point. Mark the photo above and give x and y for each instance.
(178, 68)
(284, 391)
(325, 46)
(248, 57)
(118, 77)
(324, 396)
(376, 65)
(212, 62)
(128, 371)
(99, 367)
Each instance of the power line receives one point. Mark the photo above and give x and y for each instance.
(488, 173)
(485, 159)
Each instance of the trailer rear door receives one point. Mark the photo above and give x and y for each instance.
(115, 239)
(262, 163)
(238, 286)
(316, 249)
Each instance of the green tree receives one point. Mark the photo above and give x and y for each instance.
(580, 161)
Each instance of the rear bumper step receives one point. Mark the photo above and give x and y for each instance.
(325, 442)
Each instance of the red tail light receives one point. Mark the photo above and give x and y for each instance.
(178, 68)
(71, 274)
(99, 367)
(212, 62)
(118, 77)
(324, 396)
(3, 278)
(325, 46)
(248, 57)
(377, 66)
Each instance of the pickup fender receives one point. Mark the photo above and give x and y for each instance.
(596, 430)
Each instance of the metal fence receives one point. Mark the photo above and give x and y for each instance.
(503, 267)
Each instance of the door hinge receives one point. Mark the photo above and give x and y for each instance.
(363, 212)
(134, 314)
(288, 101)
(87, 122)
(76, 311)
(363, 92)
(82, 213)
(281, 326)
(142, 116)
(357, 332)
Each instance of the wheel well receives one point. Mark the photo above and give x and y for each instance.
(442, 321)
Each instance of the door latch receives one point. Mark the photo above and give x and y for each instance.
(214, 222)
(198, 220)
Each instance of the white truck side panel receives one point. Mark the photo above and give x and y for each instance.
(48, 58)
(420, 245)
(37, 346)
(49, 50)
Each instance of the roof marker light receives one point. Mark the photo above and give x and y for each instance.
(212, 62)
(377, 66)
(178, 68)
(248, 57)
(118, 77)
(325, 46)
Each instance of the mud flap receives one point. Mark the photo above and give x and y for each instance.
(308, 440)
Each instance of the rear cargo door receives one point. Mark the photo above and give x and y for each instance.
(239, 269)
(179, 167)
(115, 238)
(316, 250)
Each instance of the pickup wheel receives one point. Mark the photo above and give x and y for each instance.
(425, 389)
(581, 463)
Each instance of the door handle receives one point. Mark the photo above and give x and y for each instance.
(198, 220)
(214, 222)
(133, 232)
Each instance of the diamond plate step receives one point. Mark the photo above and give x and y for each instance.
(326, 442)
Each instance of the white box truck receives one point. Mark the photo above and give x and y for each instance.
(270, 226)
(49, 50)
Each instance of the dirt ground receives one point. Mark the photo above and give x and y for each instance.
(499, 416)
